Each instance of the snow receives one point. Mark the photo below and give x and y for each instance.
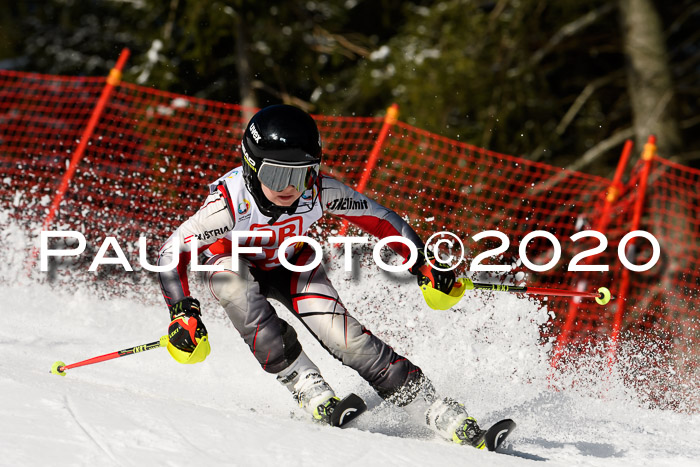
(380, 54)
(146, 409)
(153, 55)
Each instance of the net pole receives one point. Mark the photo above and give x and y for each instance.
(389, 120)
(113, 79)
(601, 225)
(648, 157)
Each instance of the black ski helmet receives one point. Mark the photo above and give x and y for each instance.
(280, 137)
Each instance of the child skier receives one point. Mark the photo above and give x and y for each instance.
(280, 192)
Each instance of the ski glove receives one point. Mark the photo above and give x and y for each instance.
(426, 274)
(186, 329)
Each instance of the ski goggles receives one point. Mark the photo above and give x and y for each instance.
(277, 177)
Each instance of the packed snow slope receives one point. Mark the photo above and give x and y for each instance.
(146, 409)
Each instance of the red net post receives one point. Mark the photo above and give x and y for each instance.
(612, 195)
(392, 114)
(113, 80)
(648, 157)
(658, 325)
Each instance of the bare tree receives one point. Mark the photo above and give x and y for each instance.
(649, 76)
(245, 72)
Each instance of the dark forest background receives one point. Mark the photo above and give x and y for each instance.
(563, 82)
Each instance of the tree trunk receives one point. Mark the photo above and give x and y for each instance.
(245, 74)
(168, 28)
(649, 76)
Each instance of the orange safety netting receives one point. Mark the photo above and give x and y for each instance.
(146, 165)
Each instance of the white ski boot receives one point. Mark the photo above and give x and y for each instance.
(315, 395)
(450, 419)
(309, 389)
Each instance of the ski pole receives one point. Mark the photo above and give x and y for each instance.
(59, 368)
(602, 296)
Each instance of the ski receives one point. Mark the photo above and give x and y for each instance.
(497, 434)
(349, 408)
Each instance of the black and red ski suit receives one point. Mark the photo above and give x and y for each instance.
(243, 289)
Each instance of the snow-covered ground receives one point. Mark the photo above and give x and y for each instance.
(146, 409)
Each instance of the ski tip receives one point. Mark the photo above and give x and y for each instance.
(497, 434)
(349, 408)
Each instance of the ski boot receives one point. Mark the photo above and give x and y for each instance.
(470, 433)
(450, 419)
(322, 413)
(315, 395)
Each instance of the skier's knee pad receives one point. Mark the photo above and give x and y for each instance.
(227, 285)
(346, 336)
(357, 348)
